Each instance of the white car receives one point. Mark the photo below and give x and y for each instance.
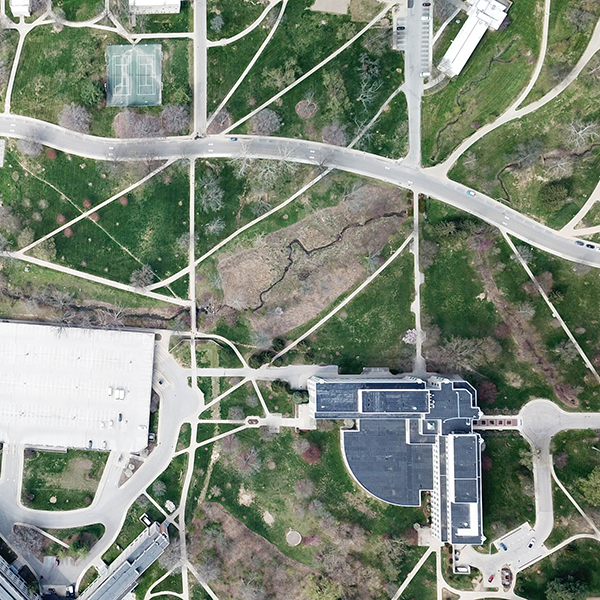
(471, 193)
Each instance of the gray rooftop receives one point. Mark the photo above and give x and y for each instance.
(411, 436)
(12, 586)
(385, 464)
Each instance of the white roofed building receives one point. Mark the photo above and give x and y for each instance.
(154, 7)
(482, 15)
(20, 8)
(75, 388)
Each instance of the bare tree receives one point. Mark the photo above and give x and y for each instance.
(175, 118)
(159, 488)
(128, 124)
(529, 154)
(580, 135)
(214, 227)
(266, 122)
(143, 277)
(75, 117)
(334, 134)
(216, 23)
(29, 147)
(110, 318)
(248, 461)
(580, 18)
(210, 194)
(567, 351)
(304, 489)
(210, 569)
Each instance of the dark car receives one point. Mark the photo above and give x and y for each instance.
(502, 545)
(400, 28)
(591, 246)
(579, 243)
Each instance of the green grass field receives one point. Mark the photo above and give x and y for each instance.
(578, 560)
(169, 484)
(274, 486)
(498, 70)
(61, 481)
(423, 585)
(79, 10)
(570, 29)
(505, 503)
(235, 17)
(552, 190)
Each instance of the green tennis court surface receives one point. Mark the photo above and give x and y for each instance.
(134, 75)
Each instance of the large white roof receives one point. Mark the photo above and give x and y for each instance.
(20, 8)
(152, 7)
(61, 387)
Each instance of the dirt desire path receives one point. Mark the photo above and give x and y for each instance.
(529, 346)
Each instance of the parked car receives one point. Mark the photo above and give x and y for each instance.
(56, 562)
(579, 243)
(531, 543)
(490, 579)
(503, 546)
(590, 246)
(471, 193)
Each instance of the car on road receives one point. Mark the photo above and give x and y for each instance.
(503, 546)
(56, 562)
(490, 579)
(400, 28)
(471, 193)
(590, 246)
(579, 243)
(233, 139)
(531, 543)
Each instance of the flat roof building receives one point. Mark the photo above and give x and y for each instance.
(75, 388)
(411, 436)
(124, 572)
(20, 8)
(12, 585)
(154, 7)
(482, 15)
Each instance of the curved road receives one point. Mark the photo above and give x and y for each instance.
(427, 181)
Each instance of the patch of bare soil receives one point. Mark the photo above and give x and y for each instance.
(220, 123)
(306, 109)
(291, 275)
(529, 346)
(236, 549)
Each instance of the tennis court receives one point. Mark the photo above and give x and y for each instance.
(134, 74)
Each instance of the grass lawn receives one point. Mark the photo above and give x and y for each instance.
(551, 190)
(568, 36)
(169, 484)
(369, 330)
(277, 398)
(579, 560)
(47, 81)
(79, 10)
(172, 583)
(81, 540)
(498, 70)
(565, 515)
(347, 92)
(423, 585)
(234, 15)
(185, 434)
(236, 57)
(90, 576)
(201, 462)
(61, 481)
(8, 46)
(507, 485)
(389, 134)
(305, 38)
(274, 488)
(154, 573)
(582, 456)
(241, 403)
(180, 348)
(485, 302)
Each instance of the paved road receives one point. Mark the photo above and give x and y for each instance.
(200, 66)
(428, 181)
(541, 421)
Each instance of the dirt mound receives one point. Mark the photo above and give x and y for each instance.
(306, 109)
